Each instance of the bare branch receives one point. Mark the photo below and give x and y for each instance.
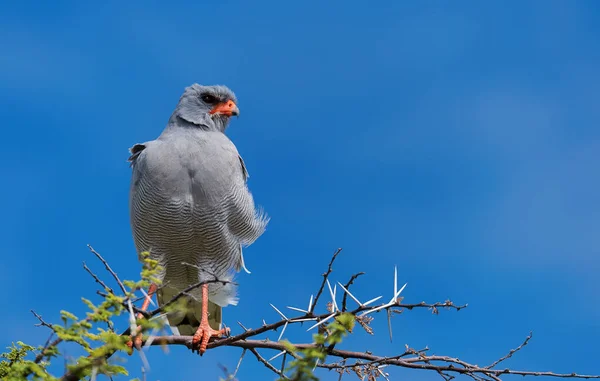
(109, 269)
(267, 364)
(98, 280)
(325, 275)
(42, 322)
(347, 287)
(512, 351)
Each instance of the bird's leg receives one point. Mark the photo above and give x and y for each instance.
(138, 339)
(205, 332)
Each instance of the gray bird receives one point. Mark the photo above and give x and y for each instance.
(190, 207)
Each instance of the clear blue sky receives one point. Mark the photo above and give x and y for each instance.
(460, 143)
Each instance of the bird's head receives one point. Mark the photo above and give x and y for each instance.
(208, 107)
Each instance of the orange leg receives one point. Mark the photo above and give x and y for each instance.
(138, 339)
(205, 332)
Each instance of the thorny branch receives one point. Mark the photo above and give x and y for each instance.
(265, 362)
(366, 365)
(418, 362)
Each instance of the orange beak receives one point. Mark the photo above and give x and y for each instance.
(228, 108)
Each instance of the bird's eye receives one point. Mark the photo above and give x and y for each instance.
(207, 98)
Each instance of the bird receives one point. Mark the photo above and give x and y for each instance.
(191, 209)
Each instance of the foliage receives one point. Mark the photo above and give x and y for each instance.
(24, 362)
(15, 364)
(21, 362)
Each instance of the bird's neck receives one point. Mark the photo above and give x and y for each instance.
(178, 122)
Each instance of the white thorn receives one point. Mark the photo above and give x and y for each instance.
(310, 302)
(147, 296)
(174, 331)
(398, 293)
(94, 373)
(316, 363)
(322, 321)
(279, 312)
(297, 309)
(384, 375)
(282, 331)
(144, 360)
(132, 326)
(335, 308)
(350, 295)
(151, 338)
(159, 316)
(372, 300)
(277, 355)
(376, 309)
(395, 280)
(239, 362)
(335, 294)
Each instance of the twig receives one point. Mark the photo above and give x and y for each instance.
(267, 364)
(283, 362)
(42, 322)
(109, 269)
(347, 287)
(40, 356)
(325, 275)
(512, 352)
(98, 280)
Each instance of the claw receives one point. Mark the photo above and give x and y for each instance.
(137, 342)
(203, 335)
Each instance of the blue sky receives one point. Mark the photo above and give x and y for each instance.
(459, 142)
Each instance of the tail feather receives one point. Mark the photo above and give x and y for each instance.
(186, 323)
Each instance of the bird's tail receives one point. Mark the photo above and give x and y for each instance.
(186, 323)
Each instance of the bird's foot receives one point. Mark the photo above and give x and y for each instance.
(137, 342)
(203, 335)
(138, 339)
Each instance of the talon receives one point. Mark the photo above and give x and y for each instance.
(129, 347)
(203, 335)
(205, 331)
(137, 342)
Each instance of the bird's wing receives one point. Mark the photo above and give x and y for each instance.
(135, 151)
(246, 222)
(244, 169)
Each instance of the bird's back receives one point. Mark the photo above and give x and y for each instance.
(189, 203)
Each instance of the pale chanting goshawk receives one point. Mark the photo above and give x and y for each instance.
(190, 207)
